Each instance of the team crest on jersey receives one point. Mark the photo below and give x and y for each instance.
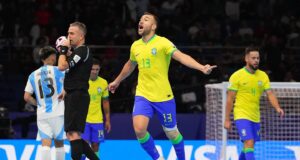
(153, 51)
(259, 83)
(99, 90)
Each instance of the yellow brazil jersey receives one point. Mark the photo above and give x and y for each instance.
(153, 60)
(249, 87)
(97, 91)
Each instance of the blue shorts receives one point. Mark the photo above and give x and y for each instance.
(93, 132)
(166, 111)
(248, 129)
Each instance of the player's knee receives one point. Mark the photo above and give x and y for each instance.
(140, 131)
(171, 133)
(58, 143)
(249, 143)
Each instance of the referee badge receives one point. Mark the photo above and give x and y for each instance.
(153, 51)
(99, 90)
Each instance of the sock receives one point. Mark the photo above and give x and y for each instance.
(46, 154)
(249, 153)
(60, 153)
(76, 149)
(147, 143)
(242, 155)
(97, 154)
(87, 150)
(179, 147)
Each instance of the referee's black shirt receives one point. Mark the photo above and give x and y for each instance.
(78, 74)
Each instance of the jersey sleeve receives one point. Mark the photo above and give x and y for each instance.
(29, 87)
(170, 48)
(233, 83)
(267, 85)
(105, 94)
(132, 56)
(80, 54)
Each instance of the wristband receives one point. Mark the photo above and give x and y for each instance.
(64, 50)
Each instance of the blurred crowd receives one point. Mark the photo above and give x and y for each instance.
(215, 31)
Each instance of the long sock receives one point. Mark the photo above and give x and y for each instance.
(46, 154)
(60, 153)
(147, 143)
(178, 145)
(76, 149)
(242, 155)
(249, 153)
(87, 150)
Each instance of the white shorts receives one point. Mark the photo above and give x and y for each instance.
(51, 128)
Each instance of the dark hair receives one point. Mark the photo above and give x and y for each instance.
(96, 61)
(251, 49)
(154, 16)
(46, 51)
(81, 26)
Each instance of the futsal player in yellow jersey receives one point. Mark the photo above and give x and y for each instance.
(152, 54)
(94, 129)
(246, 87)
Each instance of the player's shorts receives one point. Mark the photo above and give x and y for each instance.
(93, 132)
(76, 109)
(248, 129)
(51, 128)
(166, 111)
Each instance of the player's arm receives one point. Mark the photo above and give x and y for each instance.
(229, 105)
(62, 62)
(128, 68)
(191, 62)
(29, 98)
(106, 110)
(274, 102)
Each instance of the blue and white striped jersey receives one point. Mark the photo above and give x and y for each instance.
(47, 83)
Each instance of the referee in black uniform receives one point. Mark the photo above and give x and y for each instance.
(77, 65)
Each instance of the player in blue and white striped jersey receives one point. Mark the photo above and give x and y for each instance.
(46, 83)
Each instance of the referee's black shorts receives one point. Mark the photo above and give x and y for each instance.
(76, 109)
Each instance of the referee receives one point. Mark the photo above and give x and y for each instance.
(77, 65)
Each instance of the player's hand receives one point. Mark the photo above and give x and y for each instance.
(208, 68)
(113, 86)
(61, 96)
(227, 124)
(107, 126)
(280, 111)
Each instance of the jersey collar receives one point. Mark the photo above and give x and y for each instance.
(245, 68)
(149, 39)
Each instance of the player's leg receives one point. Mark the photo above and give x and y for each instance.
(142, 112)
(245, 130)
(76, 109)
(44, 133)
(46, 152)
(57, 125)
(97, 137)
(166, 112)
(86, 135)
(59, 149)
